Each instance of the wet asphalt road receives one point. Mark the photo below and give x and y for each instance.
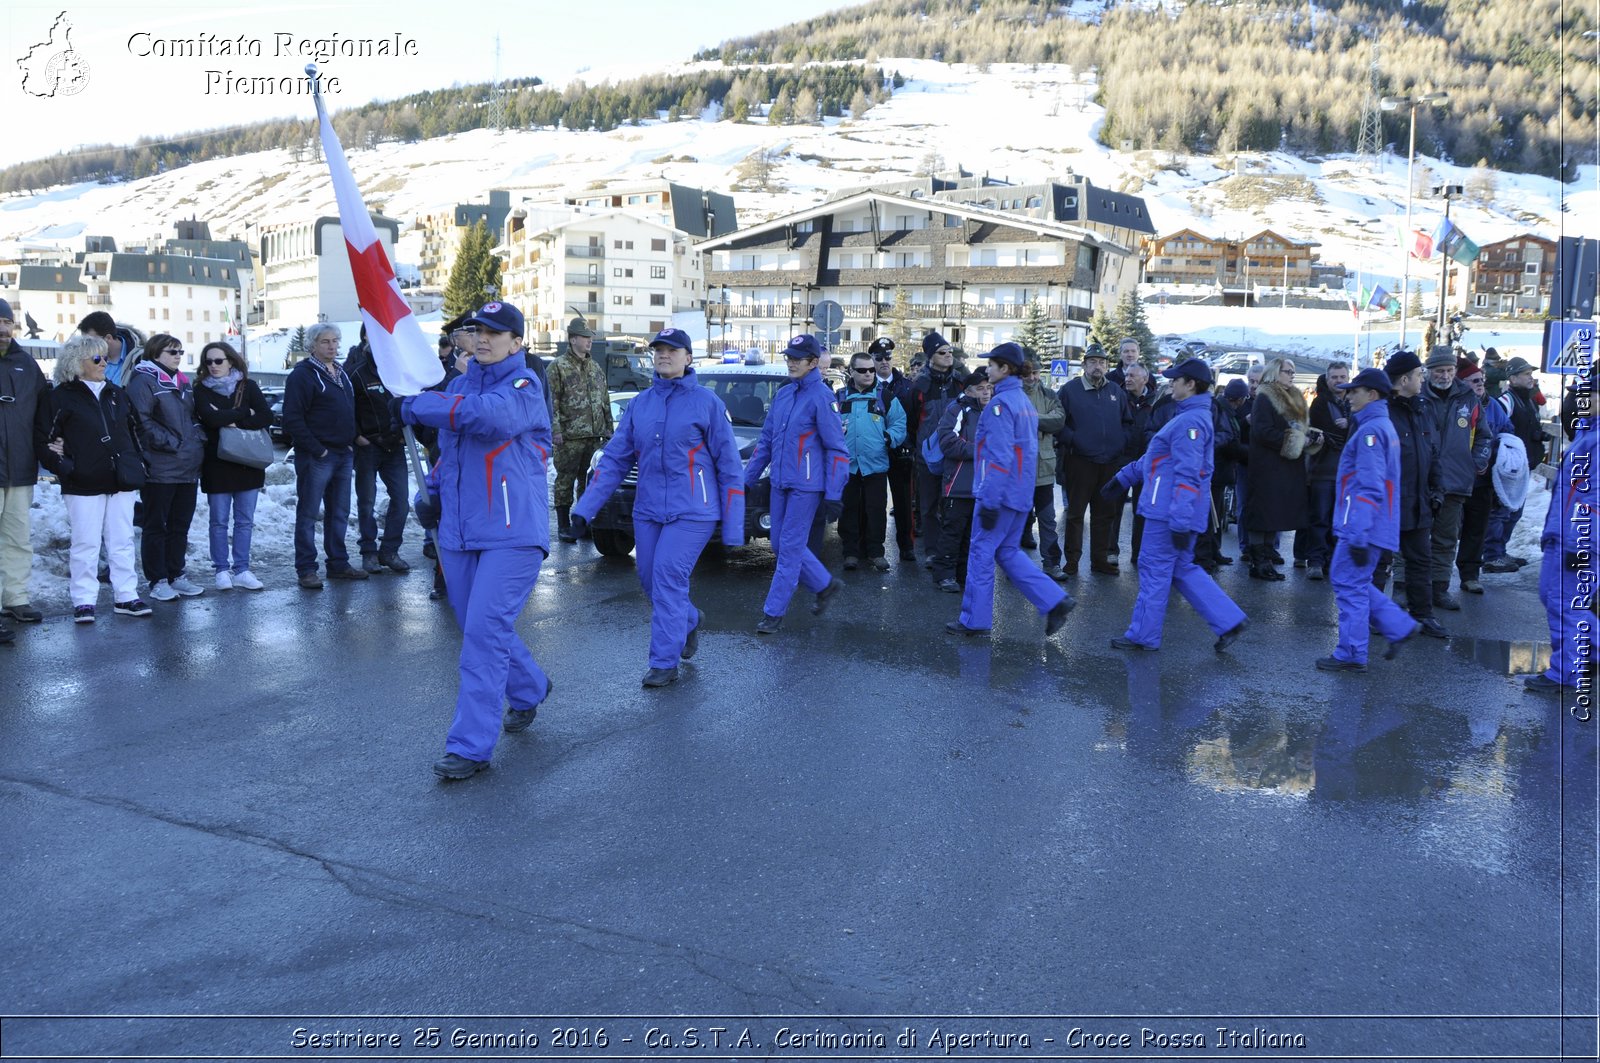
(227, 810)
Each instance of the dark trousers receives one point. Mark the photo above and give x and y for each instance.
(1474, 526)
(1446, 537)
(1208, 544)
(901, 475)
(1416, 550)
(372, 462)
(864, 520)
(1314, 544)
(955, 539)
(1084, 478)
(930, 491)
(168, 510)
(1044, 511)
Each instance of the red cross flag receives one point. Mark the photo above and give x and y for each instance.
(404, 357)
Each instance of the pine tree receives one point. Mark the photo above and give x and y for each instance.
(476, 270)
(1129, 320)
(1035, 333)
(900, 320)
(297, 342)
(1415, 307)
(1101, 329)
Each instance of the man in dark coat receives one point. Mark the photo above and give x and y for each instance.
(1463, 450)
(932, 390)
(1231, 454)
(22, 391)
(1419, 480)
(1330, 414)
(1091, 443)
(380, 453)
(894, 385)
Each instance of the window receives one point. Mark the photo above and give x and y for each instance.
(1481, 301)
(1531, 269)
(188, 315)
(658, 245)
(658, 273)
(627, 245)
(616, 245)
(152, 313)
(627, 273)
(163, 291)
(805, 226)
(208, 315)
(658, 299)
(166, 315)
(190, 291)
(152, 288)
(657, 326)
(633, 201)
(627, 300)
(616, 300)
(616, 271)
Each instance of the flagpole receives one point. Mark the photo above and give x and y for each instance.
(1355, 342)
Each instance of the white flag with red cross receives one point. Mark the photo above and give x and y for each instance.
(405, 359)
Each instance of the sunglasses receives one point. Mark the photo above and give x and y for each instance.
(862, 369)
(178, 351)
(216, 361)
(98, 359)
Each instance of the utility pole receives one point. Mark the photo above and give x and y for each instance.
(1395, 103)
(1449, 192)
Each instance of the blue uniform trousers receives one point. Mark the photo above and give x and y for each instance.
(1360, 601)
(1572, 627)
(487, 590)
(666, 556)
(1002, 545)
(1161, 568)
(792, 511)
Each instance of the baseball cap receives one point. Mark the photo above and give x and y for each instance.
(1376, 379)
(1010, 353)
(673, 337)
(1192, 368)
(804, 345)
(498, 317)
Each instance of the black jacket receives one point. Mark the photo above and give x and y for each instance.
(94, 430)
(1525, 423)
(372, 400)
(319, 410)
(219, 477)
(22, 405)
(1419, 472)
(930, 393)
(1327, 407)
(959, 448)
(898, 386)
(1099, 424)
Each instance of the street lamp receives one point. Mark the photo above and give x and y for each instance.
(1395, 103)
(1449, 192)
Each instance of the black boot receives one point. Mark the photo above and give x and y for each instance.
(1261, 564)
(563, 520)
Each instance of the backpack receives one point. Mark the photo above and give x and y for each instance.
(932, 456)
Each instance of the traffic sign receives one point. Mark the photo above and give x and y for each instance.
(830, 340)
(828, 316)
(1568, 346)
(1060, 367)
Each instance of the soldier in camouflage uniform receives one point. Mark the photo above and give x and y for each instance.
(581, 415)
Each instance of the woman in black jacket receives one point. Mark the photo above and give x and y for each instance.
(88, 442)
(226, 396)
(1278, 498)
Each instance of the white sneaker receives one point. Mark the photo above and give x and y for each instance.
(163, 592)
(246, 581)
(224, 580)
(184, 587)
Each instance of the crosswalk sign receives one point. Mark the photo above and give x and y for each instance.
(1060, 367)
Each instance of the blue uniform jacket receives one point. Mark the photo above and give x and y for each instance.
(871, 430)
(1007, 449)
(1366, 509)
(1569, 523)
(494, 450)
(802, 441)
(1176, 468)
(679, 435)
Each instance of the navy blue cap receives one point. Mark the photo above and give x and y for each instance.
(1376, 379)
(1010, 353)
(673, 337)
(1193, 368)
(804, 345)
(1236, 389)
(499, 317)
(932, 342)
(1400, 363)
(5, 311)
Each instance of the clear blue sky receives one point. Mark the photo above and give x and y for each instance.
(132, 91)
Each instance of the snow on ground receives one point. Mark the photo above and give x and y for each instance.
(1013, 121)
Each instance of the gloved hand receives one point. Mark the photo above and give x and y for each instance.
(426, 506)
(397, 410)
(1435, 500)
(1360, 554)
(1573, 560)
(407, 416)
(988, 518)
(831, 509)
(1111, 491)
(577, 528)
(1182, 541)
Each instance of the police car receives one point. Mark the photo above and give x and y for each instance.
(747, 392)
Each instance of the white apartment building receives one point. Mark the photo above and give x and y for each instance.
(306, 271)
(627, 274)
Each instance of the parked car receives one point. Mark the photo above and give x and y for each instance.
(747, 392)
(274, 397)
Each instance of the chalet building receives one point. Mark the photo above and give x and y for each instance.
(442, 233)
(969, 271)
(1265, 259)
(1513, 276)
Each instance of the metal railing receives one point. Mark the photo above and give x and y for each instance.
(585, 252)
(882, 311)
(593, 281)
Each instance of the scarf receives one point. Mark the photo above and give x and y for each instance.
(223, 385)
(1290, 404)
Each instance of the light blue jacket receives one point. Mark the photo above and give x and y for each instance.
(870, 431)
(1176, 468)
(679, 435)
(494, 444)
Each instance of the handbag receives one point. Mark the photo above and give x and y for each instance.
(251, 447)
